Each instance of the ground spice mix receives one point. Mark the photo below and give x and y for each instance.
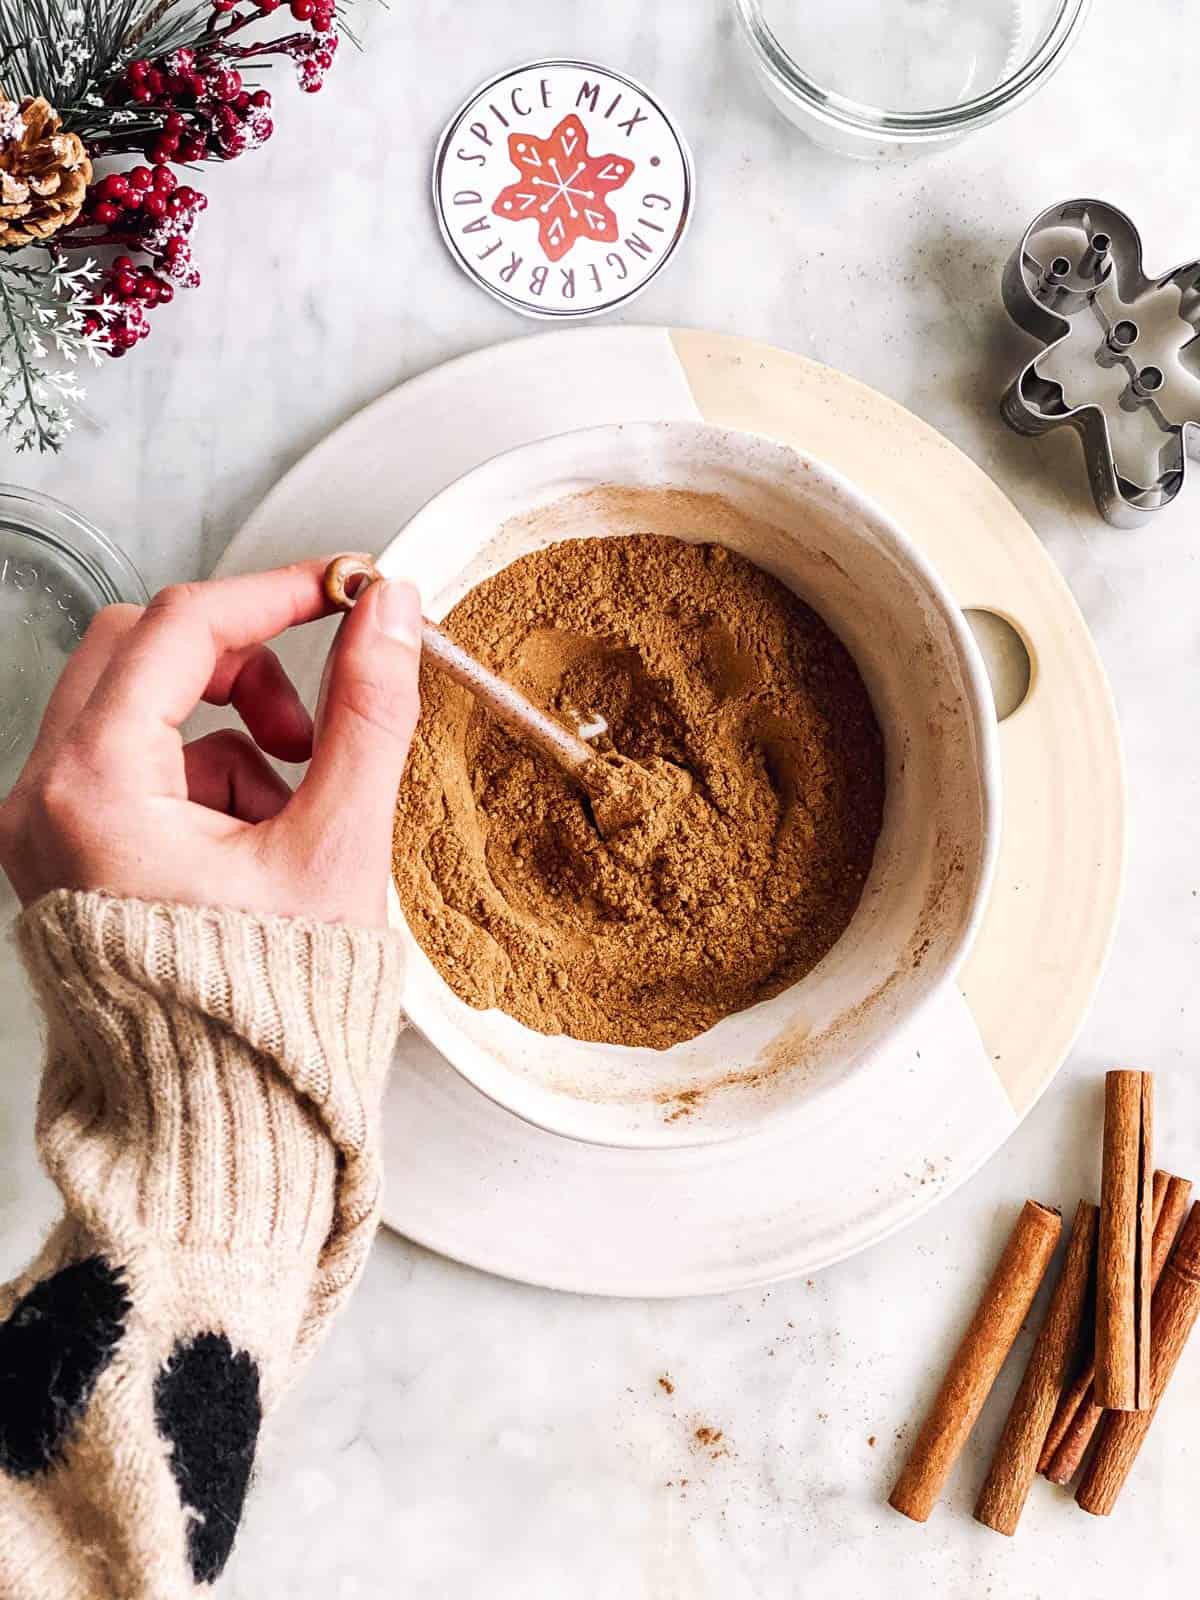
(725, 895)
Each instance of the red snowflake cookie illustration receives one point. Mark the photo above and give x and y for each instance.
(563, 187)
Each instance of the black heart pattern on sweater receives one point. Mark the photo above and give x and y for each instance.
(54, 1346)
(207, 1407)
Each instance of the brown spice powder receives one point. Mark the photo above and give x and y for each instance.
(723, 897)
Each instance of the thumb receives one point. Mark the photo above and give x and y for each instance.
(365, 719)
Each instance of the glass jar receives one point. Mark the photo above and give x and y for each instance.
(56, 572)
(892, 78)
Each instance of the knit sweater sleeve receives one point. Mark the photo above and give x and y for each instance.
(209, 1112)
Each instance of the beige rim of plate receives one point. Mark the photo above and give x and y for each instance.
(476, 1183)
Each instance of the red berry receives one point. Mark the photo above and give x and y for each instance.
(124, 338)
(185, 195)
(155, 81)
(155, 205)
(260, 97)
(200, 201)
(224, 5)
(302, 10)
(242, 100)
(148, 290)
(166, 292)
(105, 213)
(123, 264)
(126, 285)
(196, 85)
(141, 94)
(137, 70)
(114, 186)
(164, 180)
(142, 178)
(174, 123)
(324, 59)
(162, 150)
(267, 6)
(192, 149)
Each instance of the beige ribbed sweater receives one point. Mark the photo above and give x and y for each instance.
(209, 1111)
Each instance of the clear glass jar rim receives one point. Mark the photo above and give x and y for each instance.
(54, 521)
(793, 80)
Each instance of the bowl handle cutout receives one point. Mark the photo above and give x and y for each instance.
(1007, 657)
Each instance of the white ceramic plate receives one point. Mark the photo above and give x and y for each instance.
(469, 1179)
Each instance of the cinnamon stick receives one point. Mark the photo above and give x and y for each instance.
(1122, 1433)
(1002, 1308)
(1079, 1392)
(1123, 1265)
(1014, 1465)
(1068, 1439)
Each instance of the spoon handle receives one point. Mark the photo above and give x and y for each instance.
(345, 579)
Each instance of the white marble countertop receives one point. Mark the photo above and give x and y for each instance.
(460, 1436)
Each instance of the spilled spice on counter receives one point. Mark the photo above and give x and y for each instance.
(710, 1439)
(693, 656)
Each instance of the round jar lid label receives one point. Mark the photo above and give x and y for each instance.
(562, 188)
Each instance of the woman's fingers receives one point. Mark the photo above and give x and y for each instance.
(368, 712)
(255, 683)
(226, 772)
(79, 677)
(161, 669)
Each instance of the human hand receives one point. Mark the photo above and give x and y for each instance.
(111, 798)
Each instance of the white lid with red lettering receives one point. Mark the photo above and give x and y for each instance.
(563, 188)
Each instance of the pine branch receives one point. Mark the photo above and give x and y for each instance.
(72, 51)
(67, 49)
(147, 24)
(42, 310)
(60, 47)
(24, 408)
(76, 54)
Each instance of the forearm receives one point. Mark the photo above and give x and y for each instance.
(209, 1113)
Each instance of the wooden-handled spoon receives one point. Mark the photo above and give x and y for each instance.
(621, 791)
(345, 579)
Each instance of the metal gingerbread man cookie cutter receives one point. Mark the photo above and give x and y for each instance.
(1121, 354)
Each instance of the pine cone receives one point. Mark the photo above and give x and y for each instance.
(44, 173)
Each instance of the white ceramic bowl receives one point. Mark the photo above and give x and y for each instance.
(933, 863)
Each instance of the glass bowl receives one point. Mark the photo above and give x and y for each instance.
(56, 572)
(891, 78)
